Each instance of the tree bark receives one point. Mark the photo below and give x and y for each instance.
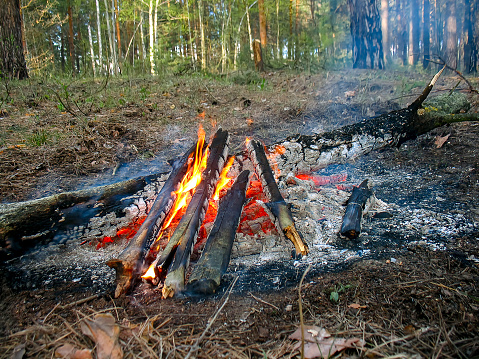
(152, 37)
(385, 28)
(117, 24)
(71, 47)
(12, 59)
(92, 53)
(413, 33)
(470, 41)
(426, 32)
(451, 34)
(366, 34)
(110, 39)
(98, 24)
(262, 24)
(202, 35)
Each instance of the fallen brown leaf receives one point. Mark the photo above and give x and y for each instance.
(68, 351)
(319, 344)
(357, 306)
(441, 140)
(104, 332)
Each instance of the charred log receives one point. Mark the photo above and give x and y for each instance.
(26, 224)
(206, 275)
(130, 263)
(361, 196)
(305, 154)
(277, 206)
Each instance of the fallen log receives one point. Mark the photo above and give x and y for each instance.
(308, 153)
(357, 202)
(130, 262)
(206, 275)
(25, 224)
(281, 214)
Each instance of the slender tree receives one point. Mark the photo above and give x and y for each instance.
(366, 34)
(451, 34)
(117, 25)
(98, 24)
(385, 28)
(92, 52)
(414, 31)
(262, 23)
(470, 41)
(426, 32)
(12, 59)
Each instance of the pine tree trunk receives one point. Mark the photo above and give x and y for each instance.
(12, 59)
(426, 31)
(278, 49)
(290, 40)
(249, 33)
(70, 38)
(98, 24)
(366, 34)
(117, 24)
(470, 42)
(113, 36)
(110, 39)
(451, 34)
(262, 24)
(414, 33)
(385, 28)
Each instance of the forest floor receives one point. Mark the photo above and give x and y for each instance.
(59, 136)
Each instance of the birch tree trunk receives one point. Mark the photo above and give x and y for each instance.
(249, 33)
(92, 53)
(202, 35)
(142, 38)
(110, 40)
(155, 22)
(113, 36)
(98, 24)
(152, 40)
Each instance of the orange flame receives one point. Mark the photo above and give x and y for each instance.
(224, 180)
(185, 190)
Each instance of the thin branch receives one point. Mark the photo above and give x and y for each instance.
(443, 63)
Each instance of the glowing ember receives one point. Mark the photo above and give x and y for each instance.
(323, 180)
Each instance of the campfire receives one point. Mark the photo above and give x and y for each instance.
(246, 210)
(200, 186)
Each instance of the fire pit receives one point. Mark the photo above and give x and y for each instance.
(405, 211)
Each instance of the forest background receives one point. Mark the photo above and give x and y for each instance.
(217, 36)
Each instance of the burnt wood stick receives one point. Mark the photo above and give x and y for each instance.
(351, 225)
(206, 275)
(130, 262)
(277, 206)
(308, 153)
(185, 234)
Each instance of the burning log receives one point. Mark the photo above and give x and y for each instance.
(276, 205)
(178, 249)
(206, 275)
(307, 153)
(359, 200)
(130, 263)
(26, 224)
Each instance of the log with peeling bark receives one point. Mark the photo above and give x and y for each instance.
(206, 275)
(358, 201)
(277, 206)
(130, 262)
(26, 224)
(308, 153)
(179, 247)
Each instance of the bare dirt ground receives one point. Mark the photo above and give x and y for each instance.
(56, 137)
